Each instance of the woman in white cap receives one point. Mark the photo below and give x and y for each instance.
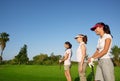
(105, 68)
(81, 54)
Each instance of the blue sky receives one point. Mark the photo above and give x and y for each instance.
(44, 25)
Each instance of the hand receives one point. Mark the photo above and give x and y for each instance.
(92, 59)
(60, 61)
(89, 59)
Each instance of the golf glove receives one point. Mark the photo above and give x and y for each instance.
(91, 63)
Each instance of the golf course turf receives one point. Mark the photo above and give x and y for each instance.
(42, 73)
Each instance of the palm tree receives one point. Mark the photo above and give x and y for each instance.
(4, 38)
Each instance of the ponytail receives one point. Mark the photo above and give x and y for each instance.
(85, 39)
(107, 29)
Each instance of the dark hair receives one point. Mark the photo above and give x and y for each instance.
(106, 28)
(84, 38)
(69, 44)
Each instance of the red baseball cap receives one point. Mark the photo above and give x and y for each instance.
(96, 25)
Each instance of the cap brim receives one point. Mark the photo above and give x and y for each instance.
(93, 28)
(76, 37)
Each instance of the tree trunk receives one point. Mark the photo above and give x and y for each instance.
(2, 49)
(1, 56)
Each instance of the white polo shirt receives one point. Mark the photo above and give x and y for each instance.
(101, 44)
(68, 61)
(79, 52)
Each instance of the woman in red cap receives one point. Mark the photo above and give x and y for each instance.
(105, 68)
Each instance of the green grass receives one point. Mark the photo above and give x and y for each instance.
(41, 73)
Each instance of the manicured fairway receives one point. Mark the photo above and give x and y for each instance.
(42, 73)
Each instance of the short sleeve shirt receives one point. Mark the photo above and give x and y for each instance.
(68, 61)
(79, 52)
(101, 44)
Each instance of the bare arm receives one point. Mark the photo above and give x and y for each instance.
(105, 50)
(83, 48)
(65, 57)
(95, 54)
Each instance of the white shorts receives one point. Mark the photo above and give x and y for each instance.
(67, 67)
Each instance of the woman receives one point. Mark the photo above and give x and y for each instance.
(105, 68)
(81, 54)
(67, 60)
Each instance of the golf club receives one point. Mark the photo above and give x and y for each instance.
(93, 73)
(60, 69)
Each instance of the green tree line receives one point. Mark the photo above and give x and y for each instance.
(42, 59)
